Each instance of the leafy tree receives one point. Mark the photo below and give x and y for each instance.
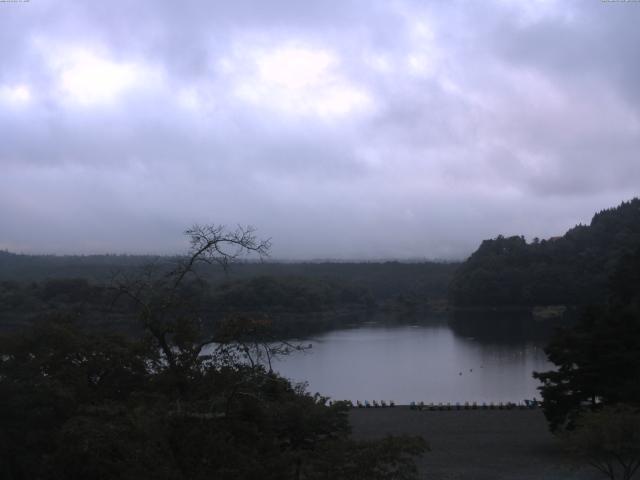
(598, 359)
(609, 440)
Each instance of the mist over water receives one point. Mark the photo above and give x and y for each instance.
(405, 363)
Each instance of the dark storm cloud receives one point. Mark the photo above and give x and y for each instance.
(339, 129)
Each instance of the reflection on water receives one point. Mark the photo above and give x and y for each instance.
(430, 362)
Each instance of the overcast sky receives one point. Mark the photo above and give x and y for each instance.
(340, 129)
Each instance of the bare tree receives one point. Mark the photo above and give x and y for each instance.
(159, 292)
(215, 244)
(165, 312)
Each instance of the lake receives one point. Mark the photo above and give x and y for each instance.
(430, 362)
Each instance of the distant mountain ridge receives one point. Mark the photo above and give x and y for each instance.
(572, 270)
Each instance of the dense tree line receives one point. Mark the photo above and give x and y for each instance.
(571, 270)
(299, 298)
(265, 294)
(172, 402)
(291, 294)
(383, 280)
(294, 304)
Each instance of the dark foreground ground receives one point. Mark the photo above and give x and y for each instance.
(476, 444)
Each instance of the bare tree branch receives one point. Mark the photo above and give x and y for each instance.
(160, 299)
(214, 244)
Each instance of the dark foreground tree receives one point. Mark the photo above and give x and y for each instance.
(598, 363)
(593, 398)
(608, 440)
(181, 401)
(598, 360)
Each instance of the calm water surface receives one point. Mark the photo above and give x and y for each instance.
(429, 363)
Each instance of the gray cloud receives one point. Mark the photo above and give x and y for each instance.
(339, 129)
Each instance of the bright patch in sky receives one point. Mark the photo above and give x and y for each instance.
(295, 68)
(299, 81)
(89, 79)
(16, 94)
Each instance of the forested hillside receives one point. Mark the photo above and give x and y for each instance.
(572, 270)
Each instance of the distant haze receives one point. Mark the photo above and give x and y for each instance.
(340, 129)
